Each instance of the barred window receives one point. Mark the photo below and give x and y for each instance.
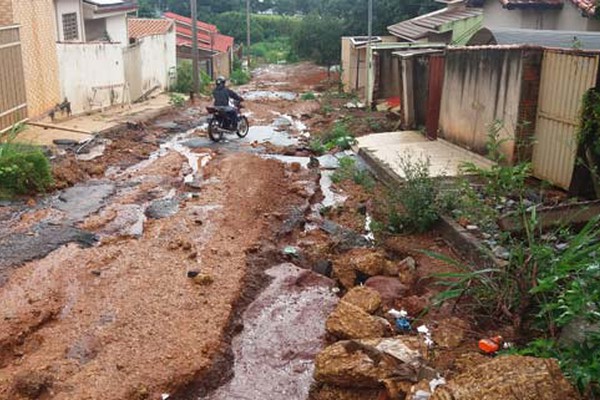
(70, 31)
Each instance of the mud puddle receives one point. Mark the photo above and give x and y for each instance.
(255, 95)
(284, 329)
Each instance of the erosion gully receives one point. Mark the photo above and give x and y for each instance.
(94, 290)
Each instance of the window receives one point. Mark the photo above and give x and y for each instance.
(70, 31)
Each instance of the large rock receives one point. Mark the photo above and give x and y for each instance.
(368, 363)
(351, 322)
(510, 378)
(344, 274)
(329, 392)
(389, 288)
(363, 262)
(367, 261)
(363, 297)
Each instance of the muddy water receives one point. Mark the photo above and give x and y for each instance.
(284, 329)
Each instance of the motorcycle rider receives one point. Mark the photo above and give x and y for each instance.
(222, 94)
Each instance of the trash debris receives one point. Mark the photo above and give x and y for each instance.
(421, 395)
(434, 383)
(424, 330)
(491, 345)
(369, 235)
(291, 251)
(165, 396)
(402, 321)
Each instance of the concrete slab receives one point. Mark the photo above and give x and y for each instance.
(446, 158)
(94, 122)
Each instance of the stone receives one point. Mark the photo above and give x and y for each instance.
(351, 322)
(323, 267)
(366, 363)
(363, 297)
(367, 261)
(345, 275)
(450, 332)
(295, 167)
(510, 377)
(389, 288)
(330, 392)
(203, 279)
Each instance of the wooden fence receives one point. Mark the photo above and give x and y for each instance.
(13, 100)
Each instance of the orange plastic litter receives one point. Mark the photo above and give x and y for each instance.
(491, 345)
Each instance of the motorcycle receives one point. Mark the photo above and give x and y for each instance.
(219, 124)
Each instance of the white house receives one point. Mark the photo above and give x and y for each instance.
(564, 15)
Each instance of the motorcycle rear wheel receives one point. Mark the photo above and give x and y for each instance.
(243, 127)
(214, 130)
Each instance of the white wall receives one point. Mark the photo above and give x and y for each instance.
(67, 7)
(158, 58)
(84, 66)
(567, 19)
(116, 26)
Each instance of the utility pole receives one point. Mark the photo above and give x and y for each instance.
(248, 31)
(195, 70)
(369, 54)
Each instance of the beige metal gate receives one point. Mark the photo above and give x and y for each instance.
(566, 76)
(13, 100)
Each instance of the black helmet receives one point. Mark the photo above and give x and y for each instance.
(220, 80)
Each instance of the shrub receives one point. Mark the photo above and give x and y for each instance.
(418, 197)
(23, 170)
(240, 77)
(185, 79)
(338, 136)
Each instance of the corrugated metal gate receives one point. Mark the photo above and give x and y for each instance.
(566, 76)
(13, 100)
(434, 100)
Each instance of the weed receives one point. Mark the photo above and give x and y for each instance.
(176, 100)
(317, 147)
(326, 109)
(374, 124)
(348, 170)
(308, 96)
(338, 136)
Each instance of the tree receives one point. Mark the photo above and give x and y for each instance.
(318, 38)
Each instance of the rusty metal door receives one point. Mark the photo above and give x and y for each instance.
(434, 98)
(13, 100)
(566, 76)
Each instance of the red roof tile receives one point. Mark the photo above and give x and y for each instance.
(209, 37)
(140, 27)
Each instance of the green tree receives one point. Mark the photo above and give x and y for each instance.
(318, 38)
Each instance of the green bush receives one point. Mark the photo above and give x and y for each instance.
(239, 77)
(176, 100)
(418, 196)
(185, 79)
(23, 170)
(338, 136)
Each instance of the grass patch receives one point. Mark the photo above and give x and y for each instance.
(349, 171)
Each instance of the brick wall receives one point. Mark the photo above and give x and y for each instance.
(6, 14)
(38, 44)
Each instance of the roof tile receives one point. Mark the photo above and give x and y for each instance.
(141, 27)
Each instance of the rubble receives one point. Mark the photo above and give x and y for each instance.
(351, 322)
(367, 363)
(389, 288)
(510, 377)
(363, 297)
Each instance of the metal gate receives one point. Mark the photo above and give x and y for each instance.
(566, 76)
(434, 100)
(13, 100)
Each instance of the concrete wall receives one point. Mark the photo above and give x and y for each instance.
(67, 7)
(85, 66)
(6, 12)
(116, 26)
(158, 60)
(38, 47)
(480, 87)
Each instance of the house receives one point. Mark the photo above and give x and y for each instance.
(583, 40)
(215, 49)
(93, 20)
(454, 24)
(562, 15)
(28, 45)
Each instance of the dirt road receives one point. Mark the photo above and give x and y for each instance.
(95, 297)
